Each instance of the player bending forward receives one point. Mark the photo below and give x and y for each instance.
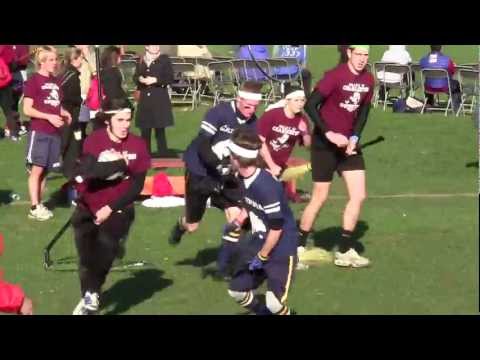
(272, 245)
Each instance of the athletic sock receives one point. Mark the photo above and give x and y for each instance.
(252, 303)
(346, 242)
(303, 236)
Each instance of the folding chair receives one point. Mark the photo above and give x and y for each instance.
(184, 88)
(295, 78)
(378, 67)
(176, 59)
(415, 76)
(275, 66)
(223, 58)
(127, 68)
(224, 82)
(253, 73)
(402, 86)
(469, 86)
(437, 74)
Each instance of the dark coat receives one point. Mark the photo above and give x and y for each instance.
(154, 109)
(112, 83)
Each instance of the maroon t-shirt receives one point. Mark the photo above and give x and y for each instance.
(98, 193)
(280, 133)
(345, 92)
(47, 98)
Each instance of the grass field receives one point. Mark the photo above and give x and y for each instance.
(419, 227)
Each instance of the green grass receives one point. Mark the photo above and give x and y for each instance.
(424, 251)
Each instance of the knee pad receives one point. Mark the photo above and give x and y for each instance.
(274, 305)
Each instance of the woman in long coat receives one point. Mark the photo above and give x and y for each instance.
(154, 111)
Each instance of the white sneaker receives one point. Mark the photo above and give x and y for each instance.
(45, 209)
(350, 258)
(40, 213)
(91, 301)
(80, 309)
(88, 305)
(300, 250)
(22, 131)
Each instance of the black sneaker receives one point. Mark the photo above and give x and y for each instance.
(176, 234)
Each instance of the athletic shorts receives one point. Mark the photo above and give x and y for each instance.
(43, 150)
(197, 194)
(277, 272)
(325, 161)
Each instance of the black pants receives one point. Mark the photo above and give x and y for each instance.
(6, 103)
(71, 147)
(307, 81)
(98, 245)
(160, 137)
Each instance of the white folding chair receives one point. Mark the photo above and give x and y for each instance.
(224, 82)
(184, 89)
(469, 87)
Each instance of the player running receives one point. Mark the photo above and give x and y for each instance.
(112, 173)
(208, 166)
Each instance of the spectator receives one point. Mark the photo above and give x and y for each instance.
(21, 60)
(110, 74)
(298, 52)
(72, 100)
(42, 103)
(342, 50)
(437, 60)
(87, 71)
(396, 54)
(153, 74)
(12, 297)
(7, 56)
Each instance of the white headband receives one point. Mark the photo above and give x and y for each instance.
(240, 151)
(249, 95)
(294, 94)
(127, 110)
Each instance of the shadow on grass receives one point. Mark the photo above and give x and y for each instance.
(5, 197)
(58, 199)
(329, 238)
(127, 293)
(203, 258)
(472, 164)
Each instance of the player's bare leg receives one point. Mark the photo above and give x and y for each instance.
(319, 196)
(355, 182)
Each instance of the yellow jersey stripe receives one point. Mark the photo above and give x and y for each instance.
(289, 279)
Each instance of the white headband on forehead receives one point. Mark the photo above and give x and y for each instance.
(294, 94)
(242, 152)
(249, 95)
(126, 110)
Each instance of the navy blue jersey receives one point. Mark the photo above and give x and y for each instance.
(218, 124)
(265, 200)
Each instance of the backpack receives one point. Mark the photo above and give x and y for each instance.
(5, 74)
(409, 105)
(93, 97)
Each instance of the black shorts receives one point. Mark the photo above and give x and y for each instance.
(196, 196)
(325, 161)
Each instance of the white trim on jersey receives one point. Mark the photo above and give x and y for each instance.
(30, 147)
(208, 127)
(272, 205)
(272, 210)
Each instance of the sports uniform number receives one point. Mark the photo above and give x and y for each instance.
(257, 223)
